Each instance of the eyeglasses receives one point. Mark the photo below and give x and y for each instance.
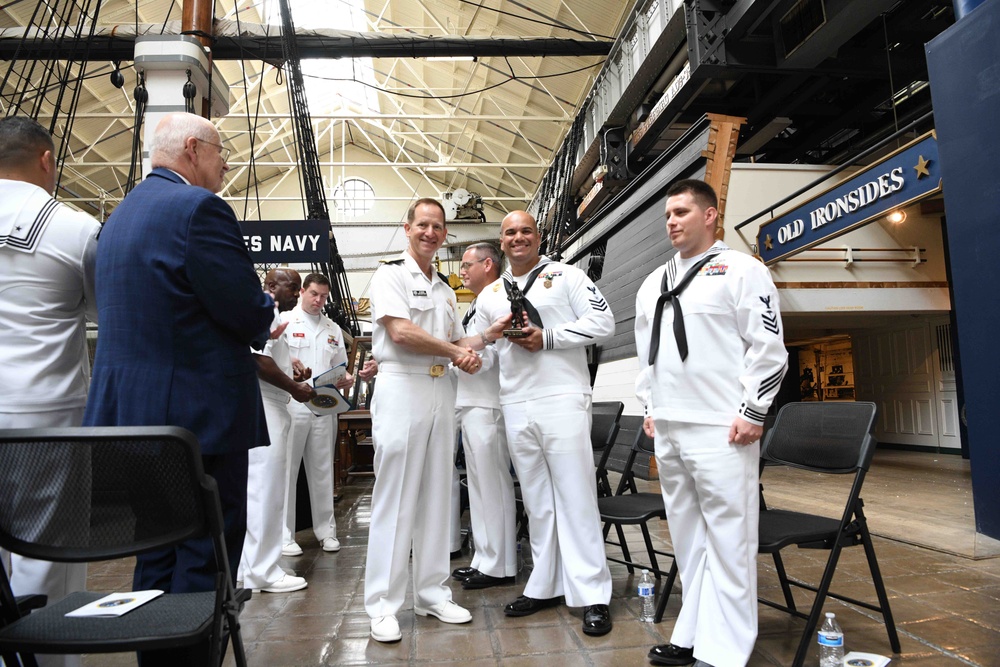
(223, 151)
(465, 266)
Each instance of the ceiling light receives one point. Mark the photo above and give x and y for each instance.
(896, 217)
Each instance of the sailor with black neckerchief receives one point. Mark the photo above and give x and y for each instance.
(545, 395)
(711, 355)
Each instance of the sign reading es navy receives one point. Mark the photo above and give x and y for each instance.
(911, 173)
(287, 241)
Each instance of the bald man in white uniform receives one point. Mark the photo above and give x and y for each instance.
(545, 394)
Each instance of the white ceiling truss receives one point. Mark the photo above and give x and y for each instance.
(495, 122)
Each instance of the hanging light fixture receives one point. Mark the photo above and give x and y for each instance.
(897, 216)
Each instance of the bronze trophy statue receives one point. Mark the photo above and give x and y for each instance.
(516, 297)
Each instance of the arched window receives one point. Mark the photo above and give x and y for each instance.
(354, 197)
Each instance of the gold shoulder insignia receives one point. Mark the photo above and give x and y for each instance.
(394, 260)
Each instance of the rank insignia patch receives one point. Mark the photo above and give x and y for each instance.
(769, 317)
(597, 302)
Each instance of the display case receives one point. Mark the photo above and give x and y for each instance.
(826, 371)
(837, 371)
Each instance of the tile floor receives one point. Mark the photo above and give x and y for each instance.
(947, 606)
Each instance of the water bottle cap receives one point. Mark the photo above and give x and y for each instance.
(830, 614)
(645, 571)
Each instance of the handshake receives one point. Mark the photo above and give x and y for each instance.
(468, 360)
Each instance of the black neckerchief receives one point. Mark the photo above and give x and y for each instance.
(469, 315)
(671, 295)
(528, 308)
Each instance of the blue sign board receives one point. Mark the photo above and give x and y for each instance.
(287, 241)
(909, 174)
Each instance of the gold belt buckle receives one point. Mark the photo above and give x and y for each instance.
(437, 370)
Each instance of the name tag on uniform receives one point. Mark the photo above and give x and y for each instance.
(298, 334)
(419, 292)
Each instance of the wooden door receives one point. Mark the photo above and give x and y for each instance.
(900, 369)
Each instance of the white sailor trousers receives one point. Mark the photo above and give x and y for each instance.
(711, 497)
(267, 474)
(491, 491)
(549, 441)
(310, 441)
(413, 429)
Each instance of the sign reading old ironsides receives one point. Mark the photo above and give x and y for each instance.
(909, 174)
(287, 241)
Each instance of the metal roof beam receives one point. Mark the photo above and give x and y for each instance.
(117, 43)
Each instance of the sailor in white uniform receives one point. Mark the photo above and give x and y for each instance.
(708, 336)
(315, 343)
(47, 251)
(267, 471)
(545, 394)
(487, 461)
(415, 320)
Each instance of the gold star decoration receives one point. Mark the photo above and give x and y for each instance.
(921, 167)
(768, 244)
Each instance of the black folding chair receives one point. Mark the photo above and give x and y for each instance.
(630, 507)
(90, 494)
(832, 438)
(603, 431)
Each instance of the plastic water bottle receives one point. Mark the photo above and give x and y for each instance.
(831, 643)
(646, 588)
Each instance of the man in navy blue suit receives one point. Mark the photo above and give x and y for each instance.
(180, 307)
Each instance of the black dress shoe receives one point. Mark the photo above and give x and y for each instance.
(463, 573)
(596, 620)
(480, 580)
(525, 606)
(668, 654)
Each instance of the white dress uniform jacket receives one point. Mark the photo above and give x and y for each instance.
(546, 406)
(732, 321)
(413, 428)
(735, 363)
(482, 389)
(574, 315)
(47, 251)
(319, 346)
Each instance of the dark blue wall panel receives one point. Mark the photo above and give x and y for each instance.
(964, 66)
